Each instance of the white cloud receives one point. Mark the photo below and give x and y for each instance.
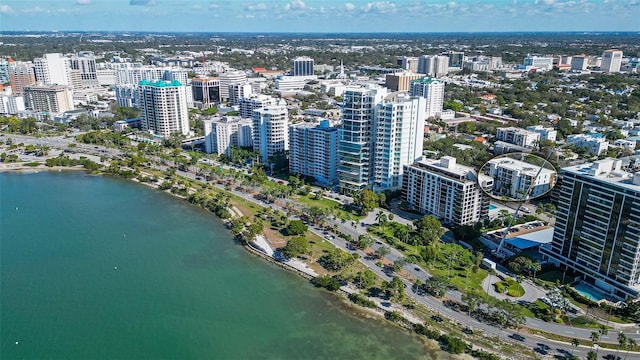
(83, 2)
(349, 6)
(213, 6)
(36, 9)
(382, 7)
(142, 2)
(6, 9)
(256, 7)
(196, 7)
(295, 5)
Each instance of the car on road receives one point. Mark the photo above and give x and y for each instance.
(416, 268)
(517, 337)
(198, 178)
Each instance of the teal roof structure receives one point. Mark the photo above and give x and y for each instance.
(160, 83)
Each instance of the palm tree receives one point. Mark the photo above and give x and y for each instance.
(595, 337)
(473, 301)
(381, 218)
(622, 342)
(575, 342)
(631, 344)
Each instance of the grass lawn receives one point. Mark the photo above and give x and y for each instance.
(511, 286)
(459, 277)
(327, 204)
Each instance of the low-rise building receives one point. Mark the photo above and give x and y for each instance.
(594, 144)
(549, 133)
(518, 136)
(518, 179)
(446, 190)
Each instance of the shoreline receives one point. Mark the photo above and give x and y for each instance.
(380, 312)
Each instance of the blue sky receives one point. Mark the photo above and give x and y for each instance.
(321, 15)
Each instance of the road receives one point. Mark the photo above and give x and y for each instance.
(532, 341)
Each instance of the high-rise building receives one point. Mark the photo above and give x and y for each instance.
(4, 71)
(356, 145)
(228, 78)
(127, 95)
(53, 99)
(409, 63)
(52, 69)
(579, 62)
(223, 133)
(206, 90)
(446, 190)
(313, 151)
(11, 104)
(456, 59)
(597, 230)
(401, 81)
(433, 65)
(270, 131)
(21, 75)
(611, 61)
(248, 104)
(163, 107)
(398, 134)
(302, 66)
(538, 63)
(238, 91)
(432, 90)
(85, 62)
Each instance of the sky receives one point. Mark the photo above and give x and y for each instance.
(325, 16)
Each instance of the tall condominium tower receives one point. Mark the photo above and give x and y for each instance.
(432, 90)
(223, 133)
(398, 134)
(85, 63)
(433, 65)
(205, 90)
(228, 78)
(446, 190)
(53, 99)
(313, 151)
(163, 107)
(248, 104)
(21, 75)
(302, 66)
(356, 143)
(597, 231)
(52, 69)
(611, 61)
(270, 131)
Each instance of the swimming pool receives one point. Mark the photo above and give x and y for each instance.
(589, 292)
(492, 207)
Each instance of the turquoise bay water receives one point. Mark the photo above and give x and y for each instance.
(182, 289)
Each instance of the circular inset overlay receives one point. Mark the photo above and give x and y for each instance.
(517, 177)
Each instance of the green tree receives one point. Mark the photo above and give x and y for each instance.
(436, 286)
(575, 343)
(366, 200)
(364, 279)
(429, 228)
(296, 246)
(295, 227)
(382, 251)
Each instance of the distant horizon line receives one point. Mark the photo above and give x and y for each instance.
(328, 33)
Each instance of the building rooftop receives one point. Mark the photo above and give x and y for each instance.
(426, 80)
(524, 167)
(609, 171)
(159, 83)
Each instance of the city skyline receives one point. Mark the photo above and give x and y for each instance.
(320, 16)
